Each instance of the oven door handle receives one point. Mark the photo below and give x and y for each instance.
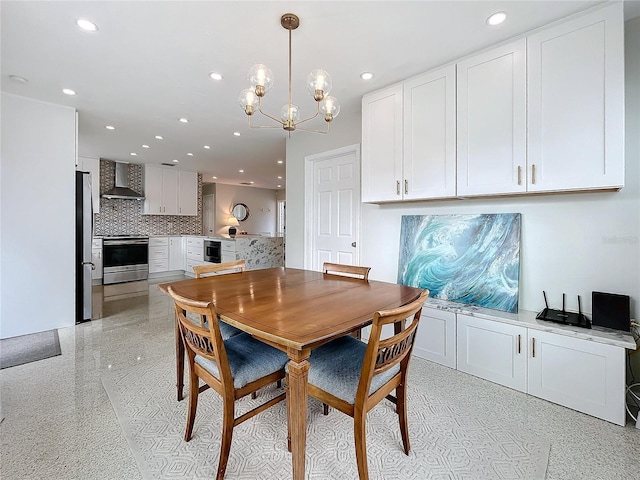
(125, 242)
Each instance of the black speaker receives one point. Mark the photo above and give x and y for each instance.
(611, 310)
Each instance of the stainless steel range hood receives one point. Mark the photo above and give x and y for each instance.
(122, 190)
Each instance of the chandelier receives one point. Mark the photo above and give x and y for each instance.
(318, 85)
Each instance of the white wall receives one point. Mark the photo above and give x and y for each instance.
(37, 219)
(572, 243)
(260, 201)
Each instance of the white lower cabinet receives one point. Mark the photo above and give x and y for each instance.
(96, 259)
(158, 254)
(436, 337)
(492, 350)
(176, 253)
(228, 251)
(584, 375)
(579, 374)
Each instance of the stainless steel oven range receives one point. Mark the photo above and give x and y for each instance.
(125, 259)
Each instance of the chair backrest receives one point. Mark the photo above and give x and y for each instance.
(383, 354)
(350, 270)
(200, 340)
(229, 267)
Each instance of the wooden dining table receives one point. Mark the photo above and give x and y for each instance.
(295, 311)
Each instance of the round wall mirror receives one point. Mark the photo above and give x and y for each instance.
(240, 211)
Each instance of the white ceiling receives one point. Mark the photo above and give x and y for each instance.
(148, 65)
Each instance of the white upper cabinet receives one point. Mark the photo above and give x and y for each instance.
(153, 201)
(429, 133)
(543, 113)
(187, 193)
(576, 103)
(170, 192)
(492, 115)
(382, 145)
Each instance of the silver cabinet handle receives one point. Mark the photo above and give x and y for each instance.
(406, 187)
(398, 187)
(519, 175)
(533, 174)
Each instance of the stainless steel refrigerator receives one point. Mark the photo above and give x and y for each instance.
(84, 234)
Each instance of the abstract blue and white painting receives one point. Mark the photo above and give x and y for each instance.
(472, 259)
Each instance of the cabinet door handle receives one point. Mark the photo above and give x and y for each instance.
(519, 175)
(519, 340)
(397, 187)
(406, 187)
(533, 347)
(533, 174)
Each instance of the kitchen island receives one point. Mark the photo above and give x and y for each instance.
(257, 251)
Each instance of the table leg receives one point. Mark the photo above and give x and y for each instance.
(297, 408)
(179, 362)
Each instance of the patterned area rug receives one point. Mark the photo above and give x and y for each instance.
(29, 348)
(449, 440)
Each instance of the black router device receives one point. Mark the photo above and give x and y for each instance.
(562, 316)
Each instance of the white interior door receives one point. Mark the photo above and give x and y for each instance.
(332, 217)
(209, 214)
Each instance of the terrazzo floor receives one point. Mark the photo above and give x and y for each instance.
(59, 423)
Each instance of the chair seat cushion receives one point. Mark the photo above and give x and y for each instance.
(249, 360)
(336, 367)
(228, 331)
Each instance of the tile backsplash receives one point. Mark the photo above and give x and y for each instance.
(124, 217)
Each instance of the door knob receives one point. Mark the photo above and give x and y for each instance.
(353, 244)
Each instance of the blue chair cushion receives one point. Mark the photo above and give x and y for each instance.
(228, 331)
(336, 368)
(249, 360)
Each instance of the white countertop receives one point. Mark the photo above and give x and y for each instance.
(527, 319)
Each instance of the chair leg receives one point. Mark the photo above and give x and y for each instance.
(179, 363)
(401, 408)
(279, 383)
(359, 432)
(325, 409)
(194, 383)
(227, 435)
(254, 395)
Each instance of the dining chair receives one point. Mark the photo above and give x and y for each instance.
(226, 330)
(354, 377)
(350, 270)
(234, 368)
(226, 267)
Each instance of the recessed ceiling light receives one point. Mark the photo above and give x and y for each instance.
(133, 154)
(366, 75)
(215, 76)
(109, 127)
(18, 79)
(279, 177)
(278, 186)
(159, 137)
(175, 161)
(190, 154)
(237, 134)
(145, 146)
(280, 161)
(86, 25)
(497, 18)
(207, 147)
(184, 120)
(68, 91)
(251, 183)
(241, 171)
(215, 178)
